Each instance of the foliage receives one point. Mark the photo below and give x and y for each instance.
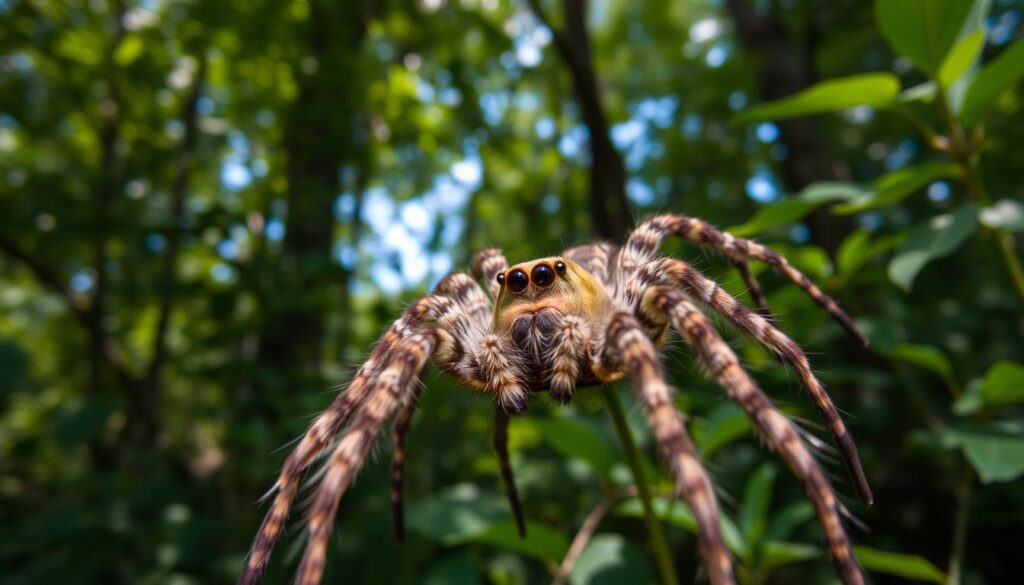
(211, 209)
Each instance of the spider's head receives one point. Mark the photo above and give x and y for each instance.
(549, 283)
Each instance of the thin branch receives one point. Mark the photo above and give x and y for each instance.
(586, 532)
(179, 188)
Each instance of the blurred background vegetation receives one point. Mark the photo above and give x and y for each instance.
(211, 209)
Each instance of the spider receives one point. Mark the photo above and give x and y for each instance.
(596, 314)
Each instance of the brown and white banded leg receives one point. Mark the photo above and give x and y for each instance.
(500, 441)
(723, 365)
(407, 361)
(677, 272)
(596, 259)
(753, 288)
(323, 430)
(568, 351)
(486, 266)
(399, 431)
(644, 242)
(627, 346)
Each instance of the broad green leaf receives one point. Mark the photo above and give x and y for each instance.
(922, 30)
(456, 513)
(939, 237)
(454, 570)
(896, 186)
(676, 512)
(924, 92)
(867, 89)
(1005, 214)
(923, 356)
(786, 520)
(725, 424)
(858, 249)
(898, 564)
(610, 558)
(775, 554)
(1003, 383)
(541, 542)
(795, 208)
(960, 58)
(994, 78)
(575, 439)
(994, 457)
(757, 498)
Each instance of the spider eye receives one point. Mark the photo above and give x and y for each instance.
(518, 281)
(542, 275)
(501, 278)
(560, 267)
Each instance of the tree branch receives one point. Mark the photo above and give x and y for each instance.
(179, 188)
(609, 209)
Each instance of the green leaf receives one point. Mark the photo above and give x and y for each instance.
(994, 78)
(610, 558)
(1005, 214)
(795, 208)
(895, 186)
(867, 89)
(676, 512)
(756, 500)
(939, 237)
(725, 424)
(1003, 383)
(858, 249)
(785, 521)
(129, 50)
(898, 564)
(454, 570)
(923, 356)
(960, 59)
(994, 457)
(541, 542)
(575, 439)
(923, 92)
(456, 513)
(776, 554)
(922, 30)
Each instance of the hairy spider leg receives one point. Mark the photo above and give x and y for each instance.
(486, 266)
(753, 288)
(679, 273)
(399, 431)
(500, 441)
(664, 303)
(595, 259)
(628, 347)
(469, 324)
(645, 240)
(323, 430)
(409, 359)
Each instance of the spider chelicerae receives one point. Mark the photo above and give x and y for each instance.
(596, 314)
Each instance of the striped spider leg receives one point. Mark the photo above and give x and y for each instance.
(664, 304)
(595, 315)
(639, 267)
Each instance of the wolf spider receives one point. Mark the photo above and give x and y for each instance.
(593, 315)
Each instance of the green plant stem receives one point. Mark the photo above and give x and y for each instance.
(661, 552)
(963, 513)
(965, 152)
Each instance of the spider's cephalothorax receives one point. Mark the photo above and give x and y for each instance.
(594, 314)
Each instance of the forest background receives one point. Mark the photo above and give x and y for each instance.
(211, 209)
